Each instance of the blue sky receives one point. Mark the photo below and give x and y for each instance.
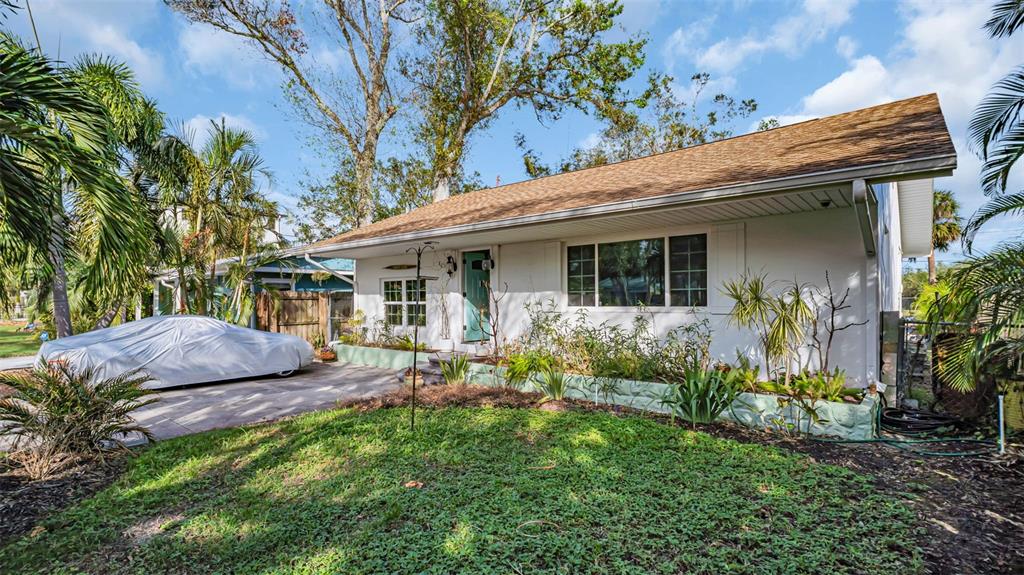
(798, 59)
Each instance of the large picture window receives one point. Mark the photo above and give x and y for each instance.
(400, 308)
(688, 270)
(633, 273)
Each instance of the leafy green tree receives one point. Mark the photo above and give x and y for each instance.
(987, 292)
(666, 122)
(352, 107)
(479, 56)
(946, 227)
(59, 159)
(222, 207)
(327, 208)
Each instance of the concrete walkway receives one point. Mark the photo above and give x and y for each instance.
(19, 362)
(194, 409)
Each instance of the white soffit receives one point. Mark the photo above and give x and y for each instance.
(915, 201)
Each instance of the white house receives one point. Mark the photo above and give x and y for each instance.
(848, 194)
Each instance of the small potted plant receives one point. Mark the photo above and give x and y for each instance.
(321, 350)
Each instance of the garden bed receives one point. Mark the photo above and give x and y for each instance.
(757, 410)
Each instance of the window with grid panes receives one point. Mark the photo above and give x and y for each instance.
(400, 308)
(581, 270)
(688, 270)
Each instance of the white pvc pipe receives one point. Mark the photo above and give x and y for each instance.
(1002, 428)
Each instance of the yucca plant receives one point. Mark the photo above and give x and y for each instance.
(456, 370)
(522, 367)
(58, 415)
(552, 383)
(702, 394)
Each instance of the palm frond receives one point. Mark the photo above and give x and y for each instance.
(1007, 17)
(993, 122)
(1012, 204)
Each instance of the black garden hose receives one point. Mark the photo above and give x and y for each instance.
(915, 421)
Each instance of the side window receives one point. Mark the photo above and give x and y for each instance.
(688, 270)
(581, 271)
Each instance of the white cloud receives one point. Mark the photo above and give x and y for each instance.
(790, 36)
(943, 49)
(685, 41)
(199, 126)
(846, 47)
(212, 52)
(73, 28)
(639, 15)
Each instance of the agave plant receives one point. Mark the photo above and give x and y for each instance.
(552, 383)
(62, 415)
(456, 370)
(702, 394)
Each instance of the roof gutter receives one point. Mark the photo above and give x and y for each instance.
(933, 166)
(350, 278)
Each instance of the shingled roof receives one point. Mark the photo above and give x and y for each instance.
(902, 131)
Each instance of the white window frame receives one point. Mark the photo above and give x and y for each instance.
(667, 305)
(403, 302)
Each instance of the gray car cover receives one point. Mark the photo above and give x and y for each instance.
(181, 349)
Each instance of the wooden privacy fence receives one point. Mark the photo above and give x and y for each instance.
(300, 313)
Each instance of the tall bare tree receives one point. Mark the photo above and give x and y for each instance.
(478, 56)
(352, 106)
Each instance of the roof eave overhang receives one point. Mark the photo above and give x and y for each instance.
(929, 167)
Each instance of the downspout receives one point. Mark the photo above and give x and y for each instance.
(862, 197)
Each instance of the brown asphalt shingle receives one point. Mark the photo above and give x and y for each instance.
(905, 130)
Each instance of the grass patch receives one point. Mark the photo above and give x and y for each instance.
(477, 491)
(13, 343)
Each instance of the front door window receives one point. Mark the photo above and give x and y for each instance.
(476, 278)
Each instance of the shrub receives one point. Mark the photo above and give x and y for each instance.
(456, 370)
(701, 395)
(552, 383)
(57, 415)
(522, 367)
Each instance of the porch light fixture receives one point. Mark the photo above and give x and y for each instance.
(451, 266)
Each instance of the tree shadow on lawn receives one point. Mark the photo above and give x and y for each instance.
(473, 490)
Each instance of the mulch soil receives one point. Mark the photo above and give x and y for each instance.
(971, 508)
(24, 503)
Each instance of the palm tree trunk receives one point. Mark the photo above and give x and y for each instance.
(933, 276)
(61, 307)
(108, 317)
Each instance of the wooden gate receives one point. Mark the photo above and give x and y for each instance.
(304, 314)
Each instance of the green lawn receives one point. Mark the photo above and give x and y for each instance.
(503, 491)
(13, 343)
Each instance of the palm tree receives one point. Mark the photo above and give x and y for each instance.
(58, 175)
(987, 292)
(946, 227)
(222, 205)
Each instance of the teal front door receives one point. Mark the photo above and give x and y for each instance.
(476, 276)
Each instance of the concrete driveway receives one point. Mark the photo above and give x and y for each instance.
(230, 404)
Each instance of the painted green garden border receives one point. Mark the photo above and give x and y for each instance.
(757, 410)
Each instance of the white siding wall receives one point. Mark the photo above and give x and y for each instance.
(798, 246)
(890, 249)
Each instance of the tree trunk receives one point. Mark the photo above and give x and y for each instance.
(933, 276)
(364, 184)
(61, 307)
(442, 187)
(179, 292)
(108, 316)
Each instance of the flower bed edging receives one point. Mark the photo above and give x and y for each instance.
(374, 356)
(757, 410)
